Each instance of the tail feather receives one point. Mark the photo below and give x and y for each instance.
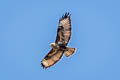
(69, 51)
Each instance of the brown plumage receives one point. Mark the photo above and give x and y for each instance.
(60, 46)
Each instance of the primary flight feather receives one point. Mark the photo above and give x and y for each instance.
(60, 46)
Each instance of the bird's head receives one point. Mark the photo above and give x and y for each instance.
(53, 45)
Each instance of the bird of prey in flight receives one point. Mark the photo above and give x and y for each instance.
(59, 47)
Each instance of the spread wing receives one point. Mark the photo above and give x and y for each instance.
(64, 29)
(51, 58)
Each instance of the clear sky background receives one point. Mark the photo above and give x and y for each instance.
(27, 27)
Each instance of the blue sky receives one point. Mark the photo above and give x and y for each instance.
(27, 27)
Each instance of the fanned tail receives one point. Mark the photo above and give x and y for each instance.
(69, 51)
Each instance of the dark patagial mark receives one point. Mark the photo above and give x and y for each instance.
(61, 29)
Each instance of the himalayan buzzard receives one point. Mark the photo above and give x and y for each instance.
(59, 47)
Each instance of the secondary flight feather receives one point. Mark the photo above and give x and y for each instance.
(59, 47)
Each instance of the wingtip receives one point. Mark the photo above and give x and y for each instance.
(66, 15)
(43, 66)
